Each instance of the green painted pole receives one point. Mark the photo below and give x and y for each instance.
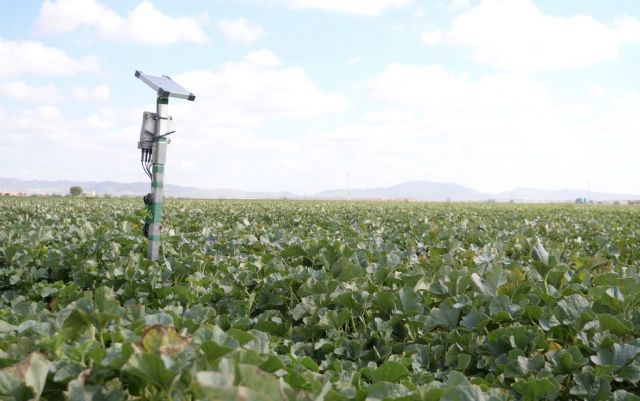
(157, 182)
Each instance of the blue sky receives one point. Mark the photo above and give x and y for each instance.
(296, 94)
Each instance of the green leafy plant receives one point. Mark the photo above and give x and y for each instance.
(286, 300)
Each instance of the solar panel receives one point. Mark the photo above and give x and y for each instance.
(165, 86)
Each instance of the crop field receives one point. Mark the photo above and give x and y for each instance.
(328, 301)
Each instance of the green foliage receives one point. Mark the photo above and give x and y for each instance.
(282, 301)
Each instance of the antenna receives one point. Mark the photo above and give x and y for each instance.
(156, 127)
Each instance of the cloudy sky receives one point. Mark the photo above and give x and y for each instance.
(296, 94)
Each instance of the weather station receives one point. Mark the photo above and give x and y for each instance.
(156, 127)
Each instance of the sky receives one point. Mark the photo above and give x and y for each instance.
(299, 95)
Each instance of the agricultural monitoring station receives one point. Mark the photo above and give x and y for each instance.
(156, 127)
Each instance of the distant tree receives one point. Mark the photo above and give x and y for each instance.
(75, 191)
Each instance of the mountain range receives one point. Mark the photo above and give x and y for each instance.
(412, 190)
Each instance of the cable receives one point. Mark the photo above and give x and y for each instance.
(145, 162)
(145, 170)
(149, 165)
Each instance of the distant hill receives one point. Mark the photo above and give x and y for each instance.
(561, 195)
(128, 189)
(418, 190)
(413, 190)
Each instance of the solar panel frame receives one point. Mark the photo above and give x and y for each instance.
(165, 86)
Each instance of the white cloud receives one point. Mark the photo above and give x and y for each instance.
(66, 145)
(30, 93)
(47, 94)
(435, 125)
(47, 112)
(433, 88)
(355, 60)
(390, 116)
(432, 37)
(492, 133)
(597, 91)
(415, 22)
(100, 92)
(240, 30)
(626, 99)
(264, 58)
(353, 7)
(254, 93)
(224, 132)
(143, 25)
(453, 5)
(59, 16)
(29, 57)
(516, 35)
(98, 121)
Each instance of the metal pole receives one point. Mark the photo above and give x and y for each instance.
(157, 183)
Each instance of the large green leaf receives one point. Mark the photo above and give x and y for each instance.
(533, 389)
(464, 393)
(25, 379)
(539, 253)
(445, 315)
(152, 369)
(409, 302)
(614, 324)
(619, 355)
(386, 391)
(568, 360)
(623, 395)
(78, 390)
(12, 388)
(272, 387)
(387, 372)
(489, 283)
(573, 306)
(591, 386)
